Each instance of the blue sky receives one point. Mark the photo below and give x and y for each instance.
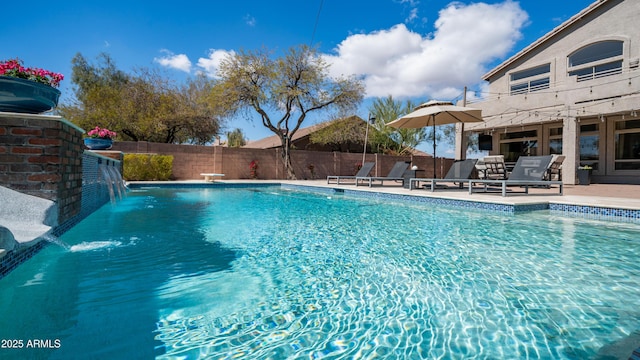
(411, 49)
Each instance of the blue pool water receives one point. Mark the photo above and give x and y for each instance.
(267, 273)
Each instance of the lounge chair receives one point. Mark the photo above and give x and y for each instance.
(554, 172)
(459, 173)
(529, 171)
(364, 171)
(396, 174)
(494, 168)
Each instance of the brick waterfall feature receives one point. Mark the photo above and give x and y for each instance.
(42, 162)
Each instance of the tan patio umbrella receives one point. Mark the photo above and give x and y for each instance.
(434, 113)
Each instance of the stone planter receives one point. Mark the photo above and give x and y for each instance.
(98, 144)
(26, 96)
(584, 176)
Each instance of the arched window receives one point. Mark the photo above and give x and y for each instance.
(530, 80)
(596, 60)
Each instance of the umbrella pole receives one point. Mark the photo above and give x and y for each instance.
(435, 171)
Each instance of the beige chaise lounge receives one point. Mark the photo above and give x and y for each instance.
(529, 171)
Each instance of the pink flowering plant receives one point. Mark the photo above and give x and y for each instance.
(14, 68)
(101, 133)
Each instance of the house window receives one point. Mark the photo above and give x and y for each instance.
(555, 140)
(590, 145)
(519, 143)
(530, 80)
(596, 60)
(627, 143)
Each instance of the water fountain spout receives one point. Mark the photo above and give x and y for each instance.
(112, 179)
(55, 240)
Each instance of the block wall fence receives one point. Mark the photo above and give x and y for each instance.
(189, 161)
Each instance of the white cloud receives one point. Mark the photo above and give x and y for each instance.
(210, 65)
(413, 14)
(250, 20)
(403, 63)
(171, 60)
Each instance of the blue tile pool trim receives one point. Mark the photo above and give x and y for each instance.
(15, 258)
(595, 212)
(581, 211)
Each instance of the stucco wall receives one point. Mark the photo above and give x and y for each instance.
(606, 99)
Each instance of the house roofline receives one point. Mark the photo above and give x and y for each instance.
(572, 20)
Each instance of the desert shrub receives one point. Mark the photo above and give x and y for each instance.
(147, 167)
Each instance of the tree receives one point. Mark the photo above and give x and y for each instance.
(97, 92)
(236, 138)
(284, 90)
(144, 106)
(340, 134)
(388, 139)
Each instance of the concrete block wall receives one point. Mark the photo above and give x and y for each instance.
(189, 161)
(40, 155)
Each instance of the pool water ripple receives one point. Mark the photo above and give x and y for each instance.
(257, 274)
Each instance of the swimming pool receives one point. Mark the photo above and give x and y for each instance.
(271, 273)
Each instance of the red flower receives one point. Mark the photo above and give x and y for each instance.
(14, 68)
(98, 133)
(253, 166)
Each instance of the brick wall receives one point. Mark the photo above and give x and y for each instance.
(95, 193)
(41, 156)
(189, 161)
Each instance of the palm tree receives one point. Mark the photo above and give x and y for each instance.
(388, 139)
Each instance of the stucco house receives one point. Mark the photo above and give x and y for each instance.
(575, 91)
(301, 140)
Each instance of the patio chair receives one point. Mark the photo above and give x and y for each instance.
(529, 171)
(396, 174)
(365, 169)
(459, 173)
(554, 172)
(481, 168)
(495, 168)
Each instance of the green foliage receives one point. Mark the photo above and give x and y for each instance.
(340, 131)
(284, 90)
(343, 132)
(144, 106)
(236, 138)
(147, 167)
(390, 140)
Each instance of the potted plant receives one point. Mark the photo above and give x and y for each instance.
(584, 174)
(99, 138)
(253, 168)
(27, 90)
